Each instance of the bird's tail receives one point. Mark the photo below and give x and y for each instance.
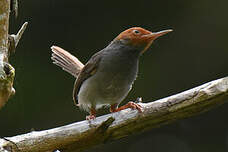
(66, 61)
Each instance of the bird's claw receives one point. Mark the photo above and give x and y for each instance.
(90, 117)
(130, 104)
(134, 106)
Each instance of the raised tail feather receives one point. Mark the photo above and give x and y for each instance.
(66, 61)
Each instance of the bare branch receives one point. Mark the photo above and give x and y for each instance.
(20, 33)
(4, 25)
(14, 39)
(7, 45)
(82, 135)
(17, 37)
(6, 70)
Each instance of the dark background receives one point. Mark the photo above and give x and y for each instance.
(194, 53)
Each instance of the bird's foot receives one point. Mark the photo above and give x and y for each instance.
(130, 104)
(90, 117)
(134, 106)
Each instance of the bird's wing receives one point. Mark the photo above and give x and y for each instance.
(88, 70)
(66, 61)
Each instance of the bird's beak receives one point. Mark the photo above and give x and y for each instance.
(149, 38)
(155, 35)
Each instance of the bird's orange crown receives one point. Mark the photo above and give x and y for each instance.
(140, 37)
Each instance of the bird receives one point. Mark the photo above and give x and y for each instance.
(108, 76)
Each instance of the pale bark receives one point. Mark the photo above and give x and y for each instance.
(83, 135)
(8, 45)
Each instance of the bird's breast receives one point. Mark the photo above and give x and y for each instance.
(111, 82)
(116, 75)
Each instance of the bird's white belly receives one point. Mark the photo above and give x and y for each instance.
(96, 92)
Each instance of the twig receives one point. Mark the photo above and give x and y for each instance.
(82, 135)
(14, 39)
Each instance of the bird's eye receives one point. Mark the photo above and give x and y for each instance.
(136, 31)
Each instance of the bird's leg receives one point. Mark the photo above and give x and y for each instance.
(132, 105)
(92, 114)
(113, 107)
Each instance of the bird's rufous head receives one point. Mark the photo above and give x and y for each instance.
(139, 37)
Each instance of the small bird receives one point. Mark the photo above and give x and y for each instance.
(107, 77)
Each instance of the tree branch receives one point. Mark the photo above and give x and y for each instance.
(8, 44)
(14, 39)
(82, 135)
